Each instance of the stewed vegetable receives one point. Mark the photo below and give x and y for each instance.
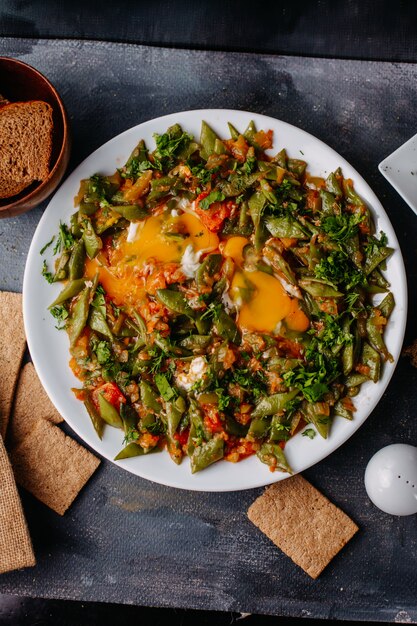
(218, 299)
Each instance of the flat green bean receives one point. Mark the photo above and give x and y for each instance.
(109, 413)
(271, 454)
(273, 404)
(206, 454)
(149, 397)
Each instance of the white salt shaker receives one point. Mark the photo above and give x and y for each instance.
(391, 479)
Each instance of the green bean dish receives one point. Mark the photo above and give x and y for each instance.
(219, 300)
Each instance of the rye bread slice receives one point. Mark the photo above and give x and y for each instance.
(9, 187)
(25, 145)
(302, 522)
(12, 347)
(52, 466)
(30, 405)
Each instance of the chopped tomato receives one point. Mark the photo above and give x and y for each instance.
(147, 440)
(328, 305)
(80, 394)
(313, 200)
(348, 403)
(362, 369)
(238, 147)
(77, 370)
(214, 216)
(264, 139)
(111, 393)
(182, 438)
(237, 449)
(290, 348)
(212, 419)
(289, 242)
(82, 342)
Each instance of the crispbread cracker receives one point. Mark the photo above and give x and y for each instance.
(15, 545)
(12, 347)
(52, 466)
(31, 404)
(302, 522)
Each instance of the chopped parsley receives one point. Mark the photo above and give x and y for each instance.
(169, 145)
(214, 196)
(46, 246)
(137, 167)
(49, 277)
(164, 388)
(309, 432)
(330, 337)
(60, 313)
(313, 379)
(203, 175)
(374, 244)
(249, 165)
(131, 435)
(224, 399)
(342, 227)
(338, 270)
(65, 240)
(104, 353)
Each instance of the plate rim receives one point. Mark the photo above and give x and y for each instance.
(262, 479)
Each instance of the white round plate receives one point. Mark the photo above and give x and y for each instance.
(49, 347)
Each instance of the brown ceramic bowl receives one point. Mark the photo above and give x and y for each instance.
(21, 82)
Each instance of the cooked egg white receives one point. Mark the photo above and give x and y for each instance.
(190, 261)
(198, 367)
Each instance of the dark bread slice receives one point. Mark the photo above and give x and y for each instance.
(25, 145)
(9, 187)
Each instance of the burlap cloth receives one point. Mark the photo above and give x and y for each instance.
(15, 545)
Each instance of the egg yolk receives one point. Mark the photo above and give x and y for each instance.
(160, 238)
(165, 239)
(263, 303)
(233, 248)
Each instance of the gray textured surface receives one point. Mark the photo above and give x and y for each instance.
(130, 541)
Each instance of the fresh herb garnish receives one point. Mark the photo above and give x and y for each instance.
(224, 399)
(249, 165)
(337, 269)
(374, 244)
(332, 336)
(131, 435)
(65, 240)
(169, 145)
(60, 313)
(313, 379)
(104, 353)
(351, 299)
(49, 277)
(164, 388)
(309, 432)
(212, 312)
(203, 175)
(214, 196)
(342, 227)
(46, 246)
(137, 167)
